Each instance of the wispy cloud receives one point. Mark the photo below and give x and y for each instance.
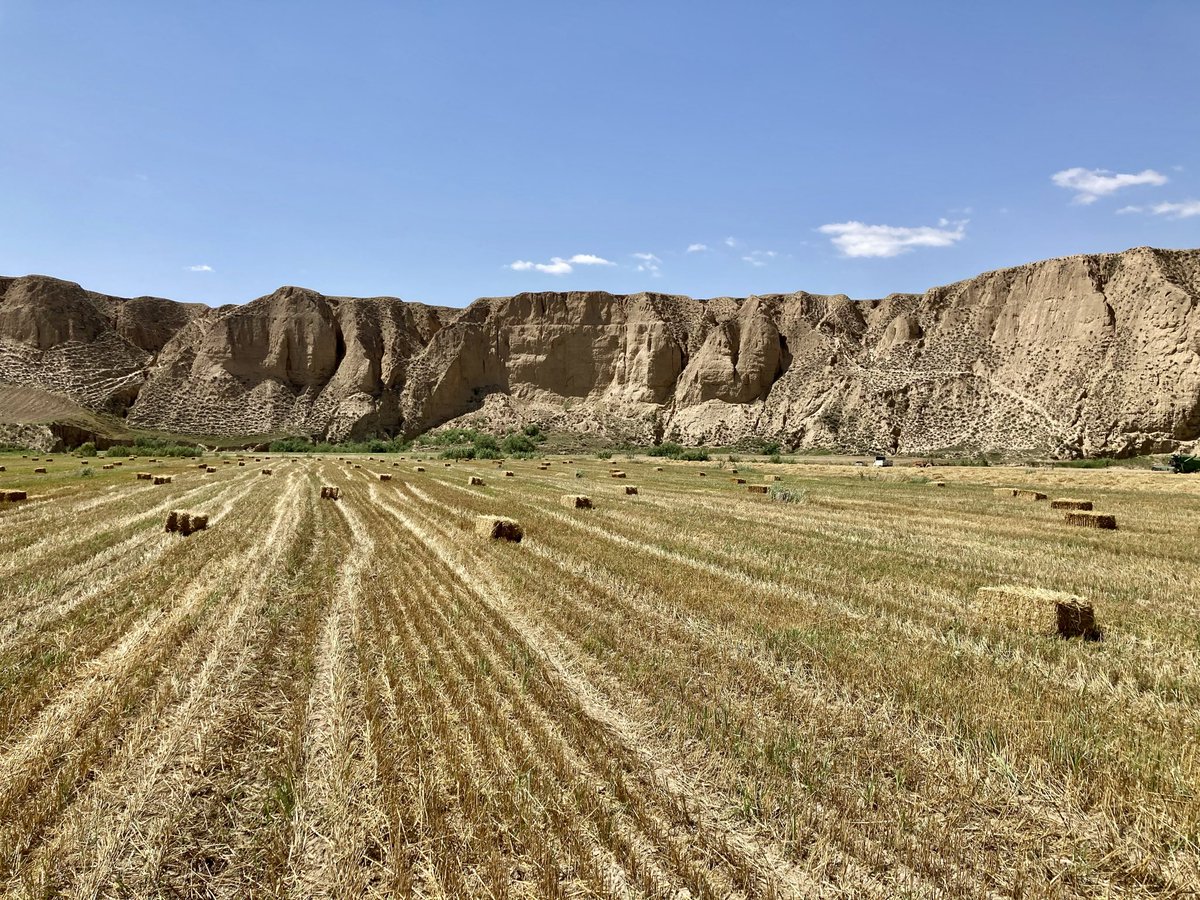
(1090, 185)
(860, 239)
(558, 265)
(697, 248)
(731, 242)
(200, 268)
(1183, 210)
(759, 258)
(648, 263)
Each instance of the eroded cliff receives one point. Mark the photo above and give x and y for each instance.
(1086, 354)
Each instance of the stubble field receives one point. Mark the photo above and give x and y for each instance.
(692, 691)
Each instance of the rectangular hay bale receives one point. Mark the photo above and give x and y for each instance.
(1038, 610)
(331, 493)
(13, 496)
(1092, 520)
(576, 501)
(474, 480)
(616, 475)
(757, 488)
(1029, 495)
(630, 490)
(383, 476)
(498, 528)
(1069, 503)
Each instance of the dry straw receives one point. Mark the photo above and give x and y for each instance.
(498, 528)
(1037, 610)
(576, 501)
(1092, 520)
(1068, 503)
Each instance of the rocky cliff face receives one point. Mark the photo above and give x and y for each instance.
(1086, 354)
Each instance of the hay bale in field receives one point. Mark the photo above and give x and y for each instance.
(198, 523)
(702, 474)
(937, 484)
(733, 471)
(757, 489)
(509, 474)
(616, 475)
(144, 476)
(13, 496)
(331, 493)
(1038, 610)
(498, 528)
(241, 465)
(658, 468)
(172, 521)
(1004, 492)
(40, 470)
(630, 490)
(419, 469)
(210, 469)
(383, 476)
(2, 469)
(1029, 495)
(474, 481)
(576, 501)
(161, 479)
(227, 462)
(83, 462)
(265, 472)
(357, 466)
(447, 465)
(152, 460)
(105, 467)
(1068, 503)
(118, 464)
(1092, 520)
(201, 466)
(774, 478)
(738, 480)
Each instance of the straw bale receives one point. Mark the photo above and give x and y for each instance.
(1037, 610)
(576, 501)
(1092, 520)
(498, 528)
(1069, 503)
(474, 480)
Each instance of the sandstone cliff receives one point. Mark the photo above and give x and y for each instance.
(1080, 355)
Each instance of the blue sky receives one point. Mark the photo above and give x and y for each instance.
(441, 151)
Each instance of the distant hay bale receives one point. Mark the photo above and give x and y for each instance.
(616, 475)
(152, 460)
(658, 468)
(210, 469)
(733, 471)
(13, 496)
(738, 480)
(198, 523)
(1092, 520)
(384, 476)
(2, 468)
(474, 480)
(773, 478)
(172, 521)
(630, 490)
(1029, 495)
(265, 472)
(83, 462)
(419, 469)
(1068, 503)
(509, 474)
(185, 523)
(40, 470)
(702, 474)
(1037, 610)
(227, 462)
(331, 493)
(356, 466)
(498, 528)
(1004, 492)
(447, 465)
(106, 467)
(118, 464)
(937, 484)
(144, 476)
(161, 479)
(241, 464)
(201, 466)
(576, 501)
(757, 489)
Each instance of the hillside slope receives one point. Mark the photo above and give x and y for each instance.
(1079, 355)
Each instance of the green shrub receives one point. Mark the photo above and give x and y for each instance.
(86, 449)
(532, 431)
(517, 443)
(603, 454)
(789, 495)
(117, 451)
(458, 453)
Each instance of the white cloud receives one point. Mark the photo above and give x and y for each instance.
(1184, 210)
(731, 242)
(860, 239)
(200, 268)
(558, 265)
(759, 258)
(1090, 185)
(649, 263)
(697, 248)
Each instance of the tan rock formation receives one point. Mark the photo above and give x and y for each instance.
(1085, 354)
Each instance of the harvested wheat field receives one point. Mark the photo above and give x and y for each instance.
(697, 692)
